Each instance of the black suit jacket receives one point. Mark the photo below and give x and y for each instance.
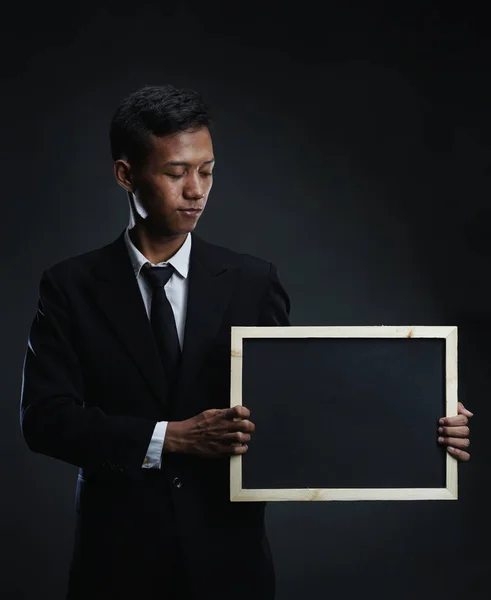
(94, 389)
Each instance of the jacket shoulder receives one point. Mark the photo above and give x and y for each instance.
(77, 265)
(232, 258)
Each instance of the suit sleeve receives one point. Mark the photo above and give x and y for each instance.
(54, 419)
(275, 304)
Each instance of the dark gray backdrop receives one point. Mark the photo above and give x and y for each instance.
(352, 150)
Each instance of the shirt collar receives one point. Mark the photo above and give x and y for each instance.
(180, 260)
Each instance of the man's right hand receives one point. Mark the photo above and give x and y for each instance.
(214, 432)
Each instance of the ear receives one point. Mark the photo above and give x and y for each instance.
(124, 176)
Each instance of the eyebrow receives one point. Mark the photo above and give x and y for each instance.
(177, 163)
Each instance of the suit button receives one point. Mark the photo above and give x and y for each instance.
(177, 482)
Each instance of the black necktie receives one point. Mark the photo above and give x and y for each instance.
(163, 322)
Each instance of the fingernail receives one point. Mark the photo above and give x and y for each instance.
(440, 430)
(440, 439)
(441, 421)
(451, 449)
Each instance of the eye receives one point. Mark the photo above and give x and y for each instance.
(206, 174)
(173, 176)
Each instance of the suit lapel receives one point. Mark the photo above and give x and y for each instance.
(118, 296)
(211, 283)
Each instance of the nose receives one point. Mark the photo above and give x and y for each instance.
(194, 187)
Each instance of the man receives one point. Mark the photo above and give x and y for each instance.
(127, 377)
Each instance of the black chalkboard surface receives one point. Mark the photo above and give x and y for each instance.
(355, 417)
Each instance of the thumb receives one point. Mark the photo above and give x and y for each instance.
(462, 410)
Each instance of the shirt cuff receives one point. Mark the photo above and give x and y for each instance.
(154, 452)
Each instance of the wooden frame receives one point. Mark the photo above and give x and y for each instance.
(237, 494)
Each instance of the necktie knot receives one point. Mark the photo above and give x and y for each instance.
(158, 276)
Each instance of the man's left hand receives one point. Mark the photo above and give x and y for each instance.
(454, 433)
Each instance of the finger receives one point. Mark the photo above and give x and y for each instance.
(237, 412)
(461, 455)
(455, 442)
(454, 421)
(235, 449)
(240, 425)
(236, 438)
(461, 432)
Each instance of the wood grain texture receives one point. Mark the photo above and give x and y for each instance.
(449, 333)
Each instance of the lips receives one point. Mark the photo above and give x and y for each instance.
(190, 213)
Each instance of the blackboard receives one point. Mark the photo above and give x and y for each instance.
(344, 413)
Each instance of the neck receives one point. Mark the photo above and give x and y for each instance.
(155, 249)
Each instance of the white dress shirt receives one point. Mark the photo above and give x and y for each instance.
(176, 290)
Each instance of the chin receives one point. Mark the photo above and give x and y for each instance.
(159, 229)
(170, 224)
(183, 228)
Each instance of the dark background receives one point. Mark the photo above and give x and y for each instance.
(352, 150)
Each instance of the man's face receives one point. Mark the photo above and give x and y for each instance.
(176, 179)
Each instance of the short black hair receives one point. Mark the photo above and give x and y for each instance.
(154, 110)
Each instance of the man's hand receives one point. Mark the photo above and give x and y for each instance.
(454, 432)
(214, 432)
